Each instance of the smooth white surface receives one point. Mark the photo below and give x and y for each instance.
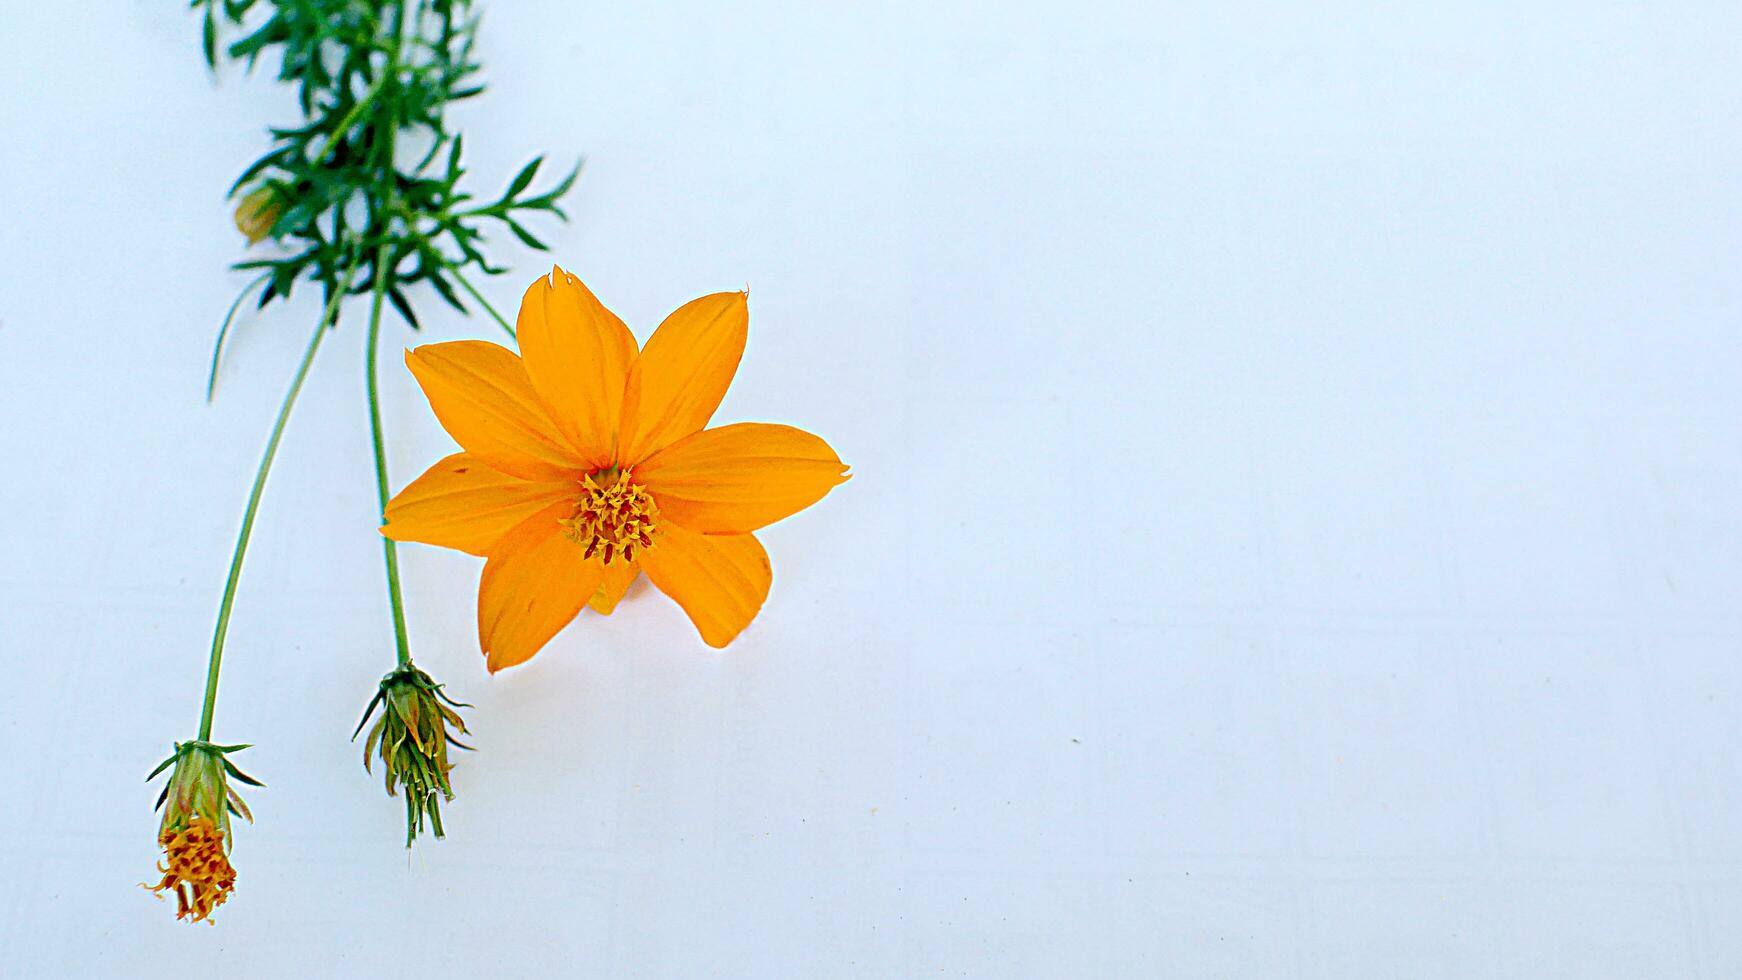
(1297, 525)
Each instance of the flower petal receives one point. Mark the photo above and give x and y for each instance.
(461, 503)
(618, 577)
(481, 395)
(577, 355)
(682, 374)
(737, 478)
(534, 583)
(719, 580)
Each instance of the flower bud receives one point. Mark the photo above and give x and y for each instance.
(411, 737)
(258, 212)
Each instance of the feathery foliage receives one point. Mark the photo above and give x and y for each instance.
(371, 76)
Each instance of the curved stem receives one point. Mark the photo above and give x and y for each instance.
(328, 317)
(484, 303)
(224, 331)
(390, 549)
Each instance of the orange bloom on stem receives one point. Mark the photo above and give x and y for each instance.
(586, 462)
(199, 873)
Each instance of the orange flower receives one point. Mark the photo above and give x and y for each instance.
(199, 873)
(586, 463)
(195, 830)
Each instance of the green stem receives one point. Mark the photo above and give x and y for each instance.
(224, 331)
(395, 599)
(351, 115)
(328, 317)
(386, 135)
(484, 303)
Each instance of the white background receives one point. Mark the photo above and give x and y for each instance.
(1297, 525)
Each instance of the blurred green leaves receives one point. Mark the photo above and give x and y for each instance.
(370, 76)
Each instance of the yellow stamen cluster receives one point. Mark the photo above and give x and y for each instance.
(613, 517)
(199, 872)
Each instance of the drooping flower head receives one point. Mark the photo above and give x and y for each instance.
(417, 724)
(586, 462)
(195, 830)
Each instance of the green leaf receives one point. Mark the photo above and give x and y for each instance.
(447, 292)
(548, 199)
(400, 303)
(525, 236)
(209, 39)
(523, 178)
(454, 155)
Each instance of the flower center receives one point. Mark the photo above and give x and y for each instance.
(613, 516)
(199, 873)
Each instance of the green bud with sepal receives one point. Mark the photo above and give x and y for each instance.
(417, 723)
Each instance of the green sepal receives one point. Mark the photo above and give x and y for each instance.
(165, 764)
(410, 738)
(241, 776)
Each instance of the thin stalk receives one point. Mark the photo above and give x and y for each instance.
(390, 550)
(328, 317)
(224, 331)
(350, 117)
(387, 136)
(484, 303)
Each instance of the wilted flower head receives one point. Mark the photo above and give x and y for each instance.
(195, 831)
(259, 212)
(416, 725)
